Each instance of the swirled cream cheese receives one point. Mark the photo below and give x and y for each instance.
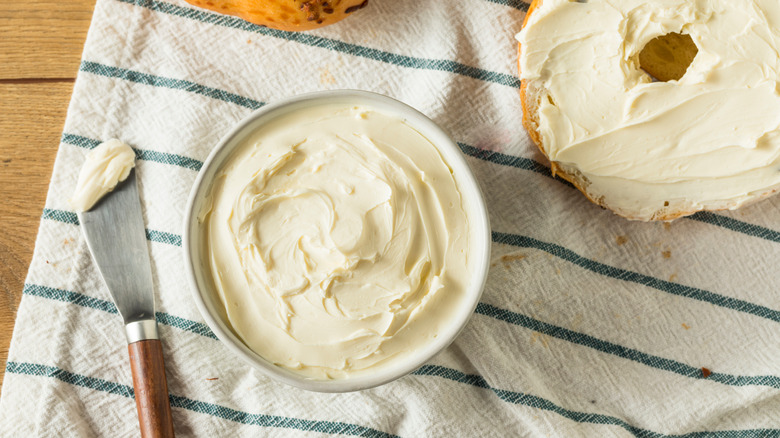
(710, 137)
(106, 166)
(337, 240)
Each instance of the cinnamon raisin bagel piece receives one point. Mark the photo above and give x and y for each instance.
(290, 15)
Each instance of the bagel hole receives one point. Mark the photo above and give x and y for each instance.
(668, 57)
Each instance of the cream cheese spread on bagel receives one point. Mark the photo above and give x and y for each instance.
(337, 240)
(656, 150)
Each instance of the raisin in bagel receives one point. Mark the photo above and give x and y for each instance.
(291, 15)
(655, 150)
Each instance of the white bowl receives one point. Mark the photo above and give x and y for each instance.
(199, 275)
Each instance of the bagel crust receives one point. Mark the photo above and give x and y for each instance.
(535, 94)
(290, 15)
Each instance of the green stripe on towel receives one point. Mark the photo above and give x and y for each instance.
(443, 65)
(82, 300)
(276, 421)
(621, 351)
(333, 427)
(580, 417)
(69, 217)
(163, 237)
(504, 315)
(163, 82)
(736, 225)
(635, 277)
(140, 154)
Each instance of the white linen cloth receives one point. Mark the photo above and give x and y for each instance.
(590, 325)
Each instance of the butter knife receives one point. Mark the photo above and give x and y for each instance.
(116, 237)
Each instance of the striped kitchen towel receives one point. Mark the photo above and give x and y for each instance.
(590, 325)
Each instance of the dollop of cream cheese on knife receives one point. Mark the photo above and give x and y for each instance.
(106, 166)
(337, 240)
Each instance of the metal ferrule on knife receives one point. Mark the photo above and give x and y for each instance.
(141, 330)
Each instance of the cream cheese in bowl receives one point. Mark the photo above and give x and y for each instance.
(335, 240)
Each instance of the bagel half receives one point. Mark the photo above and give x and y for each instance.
(533, 91)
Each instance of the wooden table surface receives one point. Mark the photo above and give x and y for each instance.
(40, 49)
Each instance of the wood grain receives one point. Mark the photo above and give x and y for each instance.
(40, 48)
(42, 39)
(151, 389)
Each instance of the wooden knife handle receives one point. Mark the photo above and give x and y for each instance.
(151, 389)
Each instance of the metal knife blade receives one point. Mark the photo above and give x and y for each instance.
(116, 236)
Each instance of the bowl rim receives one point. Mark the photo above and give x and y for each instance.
(476, 212)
